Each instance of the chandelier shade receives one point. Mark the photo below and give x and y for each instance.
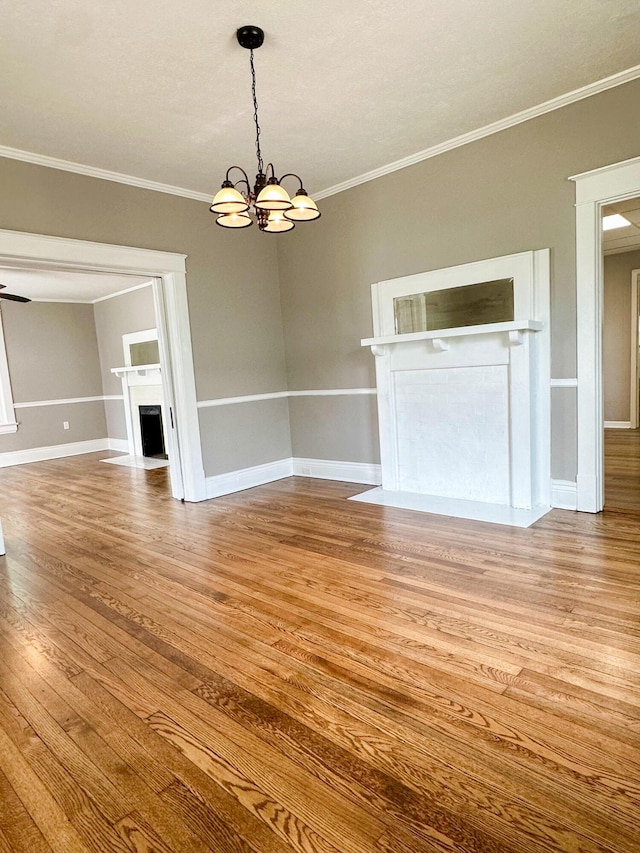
(303, 208)
(234, 220)
(267, 202)
(276, 222)
(229, 200)
(273, 197)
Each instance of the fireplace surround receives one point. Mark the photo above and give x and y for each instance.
(464, 412)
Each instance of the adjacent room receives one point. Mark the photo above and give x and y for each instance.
(621, 276)
(319, 457)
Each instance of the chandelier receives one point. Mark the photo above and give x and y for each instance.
(267, 202)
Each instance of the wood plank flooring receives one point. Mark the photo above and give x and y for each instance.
(622, 468)
(283, 670)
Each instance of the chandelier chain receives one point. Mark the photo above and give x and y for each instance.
(255, 114)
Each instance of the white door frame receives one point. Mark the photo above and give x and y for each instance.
(594, 189)
(174, 334)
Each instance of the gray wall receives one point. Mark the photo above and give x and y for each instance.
(232, 279)
(616, 344)
(130, 312)
(507, 193)
(121, 315)
(53, 355)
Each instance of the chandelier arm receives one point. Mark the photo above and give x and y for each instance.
(255, 113)
(244, 181)
(293, 175)
(240, 169)
(273, 171)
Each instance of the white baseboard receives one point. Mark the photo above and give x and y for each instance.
(617, 424)
(564, 494)
(327, 469)
(324, 469)
(247, 478)
(120, 445)
(55, 451)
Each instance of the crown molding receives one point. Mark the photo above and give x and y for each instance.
(489, 129)
(121, 292)
(102, 174)
(457, 142)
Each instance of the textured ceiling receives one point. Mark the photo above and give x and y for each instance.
(161, 90)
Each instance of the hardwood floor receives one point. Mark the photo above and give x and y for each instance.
(282, 670)
(622, 468)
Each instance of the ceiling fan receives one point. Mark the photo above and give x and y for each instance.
(12, 296)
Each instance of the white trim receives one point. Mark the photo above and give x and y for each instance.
(35, 404)
(55, 451)
(564, 383)
(5, 429)
(328, 469)
(249, 398)
(44, 251)
(520, 266)
(247, 478)
(333, 392)
(617, 425)
(142, 337)
(594, 189)
(563, 494)
(279, 395)
(323, 469)
(121, 445)
(102, 174)
(99, 299)
(7, 413)
(172, 315)
(457, 332)
(589, 185)
(568, 98)
(121, 292)
(64, 301)
(138, 369)
(488, 130)
(179, 384)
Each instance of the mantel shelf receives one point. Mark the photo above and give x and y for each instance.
(139, 369)
(460, 331)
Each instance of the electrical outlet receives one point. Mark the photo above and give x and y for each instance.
(65, 424)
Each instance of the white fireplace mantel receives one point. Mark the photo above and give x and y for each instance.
(464, 412)
(141, 385)
(439, 337)
(139, 370)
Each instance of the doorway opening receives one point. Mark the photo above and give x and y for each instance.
(19, 250)
(595, 190)
(620, 341)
